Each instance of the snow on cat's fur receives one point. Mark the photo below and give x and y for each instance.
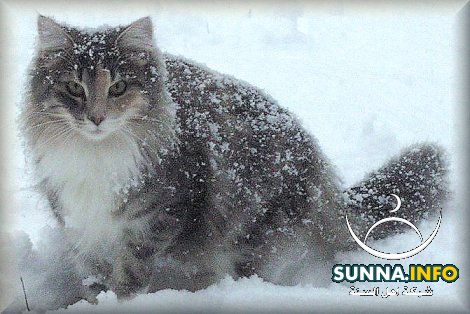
(186, 175)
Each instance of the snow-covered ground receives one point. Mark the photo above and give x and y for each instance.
(364, 82)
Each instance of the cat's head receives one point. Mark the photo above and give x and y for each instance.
(94, 82)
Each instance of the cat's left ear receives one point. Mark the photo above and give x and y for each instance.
(138, 35)
(52, 36)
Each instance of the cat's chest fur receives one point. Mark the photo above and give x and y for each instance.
(89, 179)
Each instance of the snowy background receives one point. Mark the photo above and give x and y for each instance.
(366, 82)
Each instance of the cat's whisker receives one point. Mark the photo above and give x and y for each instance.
(148, 133)
(51, 127)
(133, 135)
(45, 113)
(144, 143)
(146, 118)
(58, 125)
(56, 136)
(68, 138)
(42, 124)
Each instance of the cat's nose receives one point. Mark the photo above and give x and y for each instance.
(96, 119)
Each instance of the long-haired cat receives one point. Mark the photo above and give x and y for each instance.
(163, 174)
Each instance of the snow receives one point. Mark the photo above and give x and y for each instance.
(365, 84)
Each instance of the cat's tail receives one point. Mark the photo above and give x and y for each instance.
(417, 178)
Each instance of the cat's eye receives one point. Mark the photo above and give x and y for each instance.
(117, 89)
(75, 89)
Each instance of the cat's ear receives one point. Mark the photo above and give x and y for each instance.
(138, 35)
(52, 36)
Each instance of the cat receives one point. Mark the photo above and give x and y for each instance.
(164, 174)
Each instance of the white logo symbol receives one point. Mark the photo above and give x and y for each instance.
(395, 256)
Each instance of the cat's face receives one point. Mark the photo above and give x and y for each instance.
(95, 83)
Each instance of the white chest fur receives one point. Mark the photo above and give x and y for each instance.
(90, 177)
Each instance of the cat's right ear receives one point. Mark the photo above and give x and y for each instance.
(138, 35)
(52, 36)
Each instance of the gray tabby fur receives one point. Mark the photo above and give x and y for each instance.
(209, 175)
